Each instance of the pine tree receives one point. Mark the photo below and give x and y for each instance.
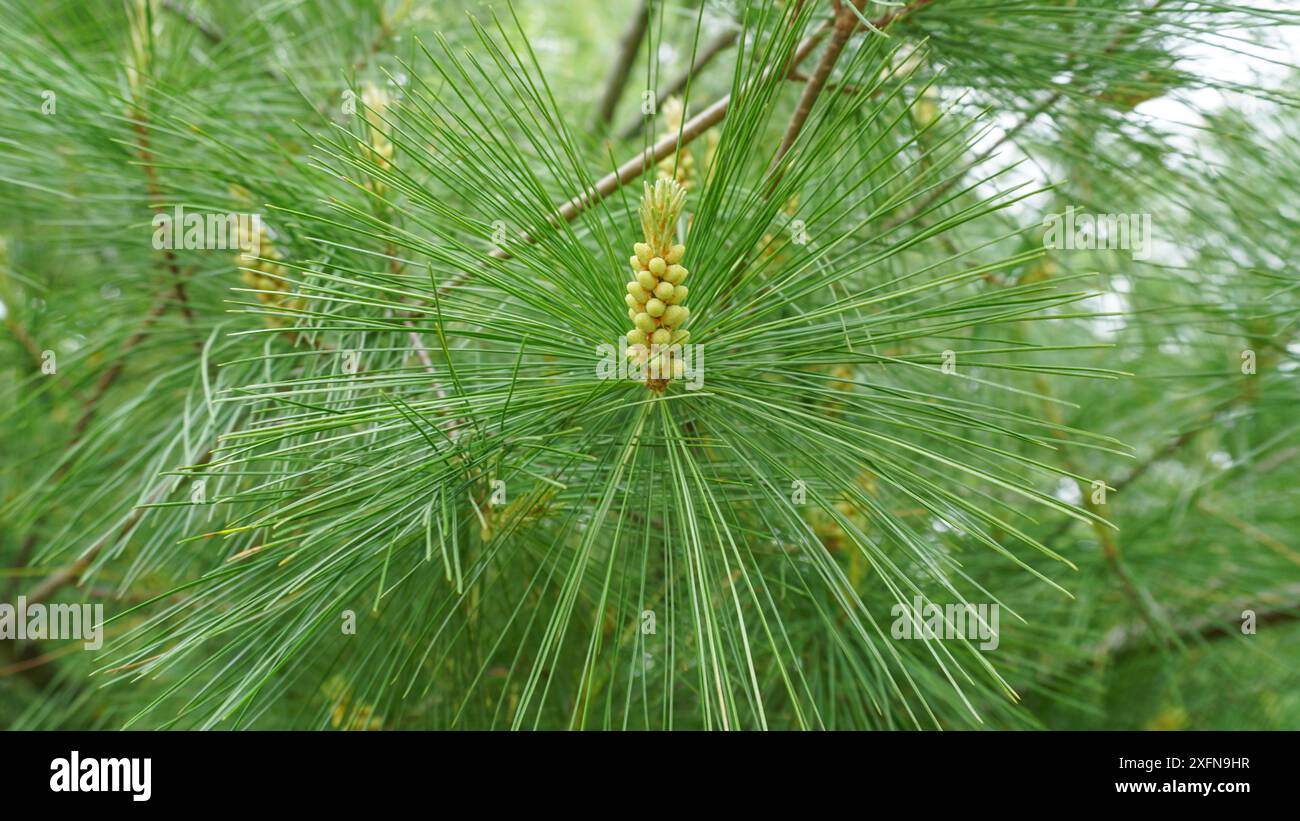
(958, 303)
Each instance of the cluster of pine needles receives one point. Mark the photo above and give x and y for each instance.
(366, 473)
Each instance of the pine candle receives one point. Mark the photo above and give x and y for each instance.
(263, 272)
(378, 149)
(655, 295)
(681, 166)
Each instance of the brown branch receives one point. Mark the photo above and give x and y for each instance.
(24, 339)
(1170, 448)
(71, 573)
(839, 88)
(1167, 450)
(636, 166)
(712, 49)
(28, 662)
(1122, 641)
(139, 125)
(628, 46)
(27, 659)
(209, 30)
(846, 23)
(108, 377)
(88, 409)
(1110, 550)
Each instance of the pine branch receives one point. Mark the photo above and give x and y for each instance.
(1105, 533)
(947, 185)
(1010, 134)
(847, 89)
(210, 31)
(629, 45)
(24, 339)
(711, 50)
(139, 124)
(1169, 449)
(71, 573)
(108, 377)
(27, 660)
(334, 487)
(88, 409)
(1125, 641)
(847, 21)
(631, 170)
(845, 24)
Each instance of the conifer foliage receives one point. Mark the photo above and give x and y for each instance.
(351, 369)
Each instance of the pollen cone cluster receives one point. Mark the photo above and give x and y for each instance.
(378, 149)
(681, 166)
(656, 295)
(258, 260)
(345, 715)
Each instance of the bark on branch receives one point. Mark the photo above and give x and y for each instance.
(628, 46)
